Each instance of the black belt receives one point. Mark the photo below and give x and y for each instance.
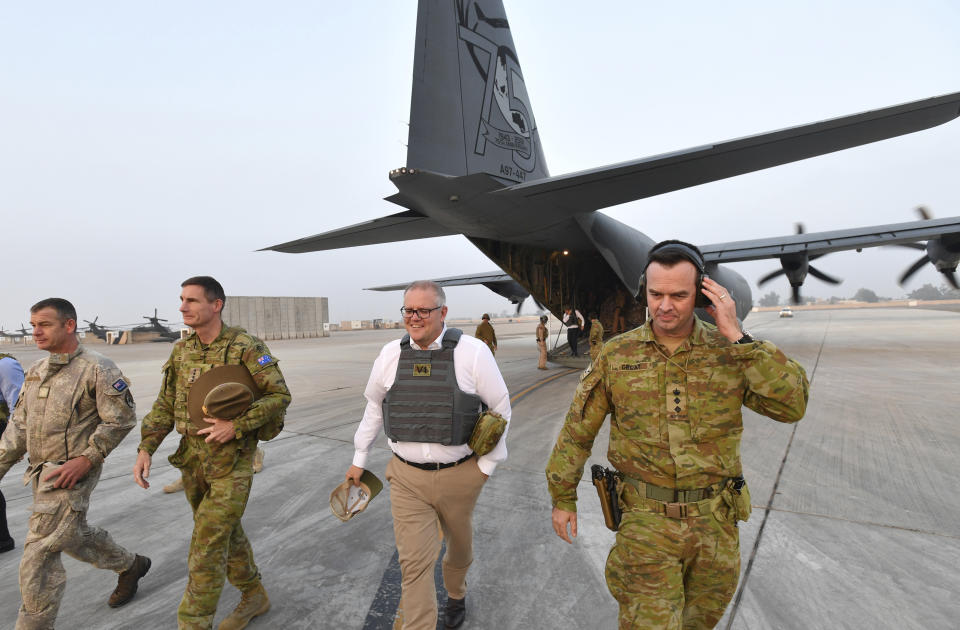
(434, 466)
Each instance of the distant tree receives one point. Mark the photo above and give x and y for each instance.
(770, 299)
(865, 295)
(949, 293)
(926, 292)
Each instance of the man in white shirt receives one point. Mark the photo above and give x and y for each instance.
(573, 321)
(435, 477)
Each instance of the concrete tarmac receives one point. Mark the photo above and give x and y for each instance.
(856, 520)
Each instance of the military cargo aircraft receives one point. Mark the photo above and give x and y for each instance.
(475, 166)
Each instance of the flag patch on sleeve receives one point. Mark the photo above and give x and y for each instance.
(119, 385)
(264, 359)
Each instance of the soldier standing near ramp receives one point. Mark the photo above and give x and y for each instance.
(542, 342)
(216, 462)
(674, 389)
(486, 334)
(596, 337)
(74, 408)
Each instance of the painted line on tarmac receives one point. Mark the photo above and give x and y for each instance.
(383, 610)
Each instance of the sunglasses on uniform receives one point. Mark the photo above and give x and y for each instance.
(422, 313)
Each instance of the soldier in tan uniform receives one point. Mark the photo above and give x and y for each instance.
(74, 408)
(486, 334)
(542, 342)
(596, 336)
(216, 462)
(11, 380)
(674, 389)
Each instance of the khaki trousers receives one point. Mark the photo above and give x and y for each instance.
(423, 502)
(58, 525)
(543, 354)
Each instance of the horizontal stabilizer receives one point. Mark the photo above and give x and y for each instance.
(403, 226)
(814, 243)
(619, 183)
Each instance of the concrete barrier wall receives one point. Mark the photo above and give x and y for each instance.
(278, 317)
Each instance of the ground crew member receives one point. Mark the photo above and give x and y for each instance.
(573, 322)
(542, 342)
(485, 333)
(74, 408)
(435, 476)
(674, 388)
(11, 380)
(596, 336)
(216, 462)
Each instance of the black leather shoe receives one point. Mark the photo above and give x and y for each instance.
(455, 612)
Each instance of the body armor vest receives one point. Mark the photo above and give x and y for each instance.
(425, 404)
(4, 404)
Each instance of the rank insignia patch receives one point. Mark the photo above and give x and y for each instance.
(421, 369)
(265, 359)
(119, 385)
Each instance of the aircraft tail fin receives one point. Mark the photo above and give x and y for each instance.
(470, 111)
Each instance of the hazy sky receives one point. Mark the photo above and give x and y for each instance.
(146, 142)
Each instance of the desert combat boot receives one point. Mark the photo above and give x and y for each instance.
(252, 603)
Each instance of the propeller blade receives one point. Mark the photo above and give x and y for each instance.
(795, 295)
(924, 213)
(770, 276)
(816, 273)
(951, 278)
(914, 268)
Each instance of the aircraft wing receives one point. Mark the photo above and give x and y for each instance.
(497, 281)
(606, 186)
(833, 241)
(403, 226)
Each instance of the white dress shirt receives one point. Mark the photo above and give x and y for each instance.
(477, 373)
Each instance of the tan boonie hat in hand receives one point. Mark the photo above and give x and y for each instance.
(225, 393)
(348, 500)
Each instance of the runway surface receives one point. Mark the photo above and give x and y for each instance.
(856, 519)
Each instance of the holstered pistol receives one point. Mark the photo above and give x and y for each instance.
(605, 481)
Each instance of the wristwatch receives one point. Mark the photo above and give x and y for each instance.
(746, 338)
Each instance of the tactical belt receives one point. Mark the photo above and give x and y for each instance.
(434, 466)
(671, 502)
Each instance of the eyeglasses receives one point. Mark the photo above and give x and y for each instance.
(422, 313)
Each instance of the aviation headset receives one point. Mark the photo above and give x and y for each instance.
(689, 253)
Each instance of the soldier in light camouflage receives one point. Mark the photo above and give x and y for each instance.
(596, 337)
(216, 462)
(674, 389)
(74, 408)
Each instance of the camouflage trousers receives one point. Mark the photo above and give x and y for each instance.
(59, 524)
(669, 573)
(219, 549)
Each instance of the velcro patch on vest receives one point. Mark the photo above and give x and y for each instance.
(264, 359)
(119, 385)
(421, 369)
(42, 392)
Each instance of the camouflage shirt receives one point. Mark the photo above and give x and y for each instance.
(596, 332)
(674, 422)
(70, 405)
(189, 359)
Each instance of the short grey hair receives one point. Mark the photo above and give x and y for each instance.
(428, 284)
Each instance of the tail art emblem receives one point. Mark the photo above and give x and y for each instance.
(506, 119)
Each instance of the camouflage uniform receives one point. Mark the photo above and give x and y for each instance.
(71, 405)
(216, 477)
(675, 424)
(596, 338)
(486, 335)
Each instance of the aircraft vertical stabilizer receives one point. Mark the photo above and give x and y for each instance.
(470, 111)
